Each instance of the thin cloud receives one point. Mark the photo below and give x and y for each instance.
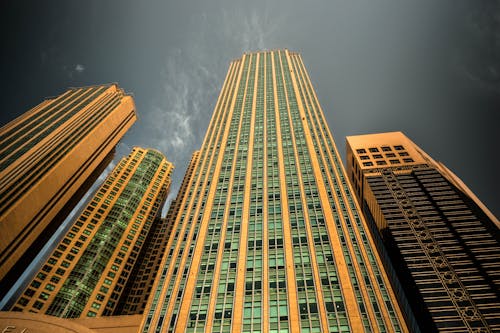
(72, 70)
(192, 78)
(251, 31)
(79, 68)
(177, 119)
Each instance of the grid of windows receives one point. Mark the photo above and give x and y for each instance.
(442, 246)
(268, 238)
(359, 256)
(391, 155)
(93, 261)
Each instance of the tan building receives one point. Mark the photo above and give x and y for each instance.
(49, 158)
(140, 283)
(269, 237)
(438, 239)
(87, 271)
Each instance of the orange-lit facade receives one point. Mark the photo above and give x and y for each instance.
(86, 273)
(49, 157)
(269, 237)
(140, 283)
(441, 244)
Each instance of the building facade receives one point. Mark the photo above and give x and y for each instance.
(140, 283)
(49, 158)
(269, 237)
(87, 272)
(439, 239)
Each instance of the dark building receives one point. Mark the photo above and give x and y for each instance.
(442, 243)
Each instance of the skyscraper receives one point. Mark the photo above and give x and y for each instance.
(443, 244)
(86, 273)
(49, 158)
(269, 237)
(141, 280)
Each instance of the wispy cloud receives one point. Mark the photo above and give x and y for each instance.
(192, 77)
(178, 119)
(183, 106)
(478, 61)
(251, 30)
(72, 70)
(79, 68)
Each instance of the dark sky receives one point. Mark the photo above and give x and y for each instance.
(428, 68)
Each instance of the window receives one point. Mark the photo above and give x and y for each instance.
(399, 147)
(394, 161)
(381, 163)
(377, 156)
(408, 160)
(361, 151)
(373, 150)
(38, 305)
(364, 157)
(385, 148)
(367, 163)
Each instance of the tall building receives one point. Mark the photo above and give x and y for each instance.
(140, 283)
(49, 158)
(440, 240)
(87, 272)
(269, 237)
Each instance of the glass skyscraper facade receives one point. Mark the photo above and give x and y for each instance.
(86, 273)
(269, 237)
(141, 280)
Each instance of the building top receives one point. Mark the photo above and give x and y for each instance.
(394, 149)
(384, 149)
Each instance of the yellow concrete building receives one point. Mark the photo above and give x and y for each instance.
(441, 244)
(87, 272)
(269, 236)
(49, 158)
